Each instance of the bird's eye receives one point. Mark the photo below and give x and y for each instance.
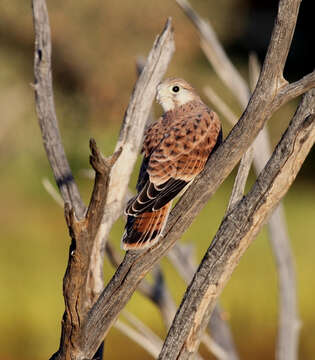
(175, 89)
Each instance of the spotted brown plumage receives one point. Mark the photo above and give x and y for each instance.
(176, 148)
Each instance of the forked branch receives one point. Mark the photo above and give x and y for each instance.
(84, 327)
(237, 230)
(136, 264)
(80, 288)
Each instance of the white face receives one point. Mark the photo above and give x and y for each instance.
(171, 95)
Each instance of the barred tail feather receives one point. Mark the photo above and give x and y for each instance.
(144, 230)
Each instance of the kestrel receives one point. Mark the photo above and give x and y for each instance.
(176, 148)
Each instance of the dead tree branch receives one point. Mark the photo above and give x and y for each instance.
(131, 132)
(221, 343)
(287, 341)
(219, 59)
(237, 230)
(83, 330)
(80, 287)
(45, 108)
(130, 139)
(83, 223)
(260, 108)
(157, 292)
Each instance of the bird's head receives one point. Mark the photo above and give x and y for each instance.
(172, 93)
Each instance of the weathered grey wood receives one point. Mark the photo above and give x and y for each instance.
(236, 232)
(269, 95)
(221, 342)
(82, 222)
(45, 108)
(131, 132)
(219, 59)
(287, 336)
(130, 140)
(80, 288)
(260, 108)
(289, 322)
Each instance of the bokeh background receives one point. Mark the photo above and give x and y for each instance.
(95, 46)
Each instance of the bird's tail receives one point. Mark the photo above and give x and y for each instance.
(143, 230)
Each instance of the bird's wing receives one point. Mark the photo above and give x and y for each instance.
(174, 155)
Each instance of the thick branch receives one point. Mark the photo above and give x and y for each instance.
(287, 332)
(157, 292)
(83, 224)
(77, 295)
(220, 164)
(44, 99)
(237, 231)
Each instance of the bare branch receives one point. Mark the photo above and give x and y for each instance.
(44, 100)
(48, 186)
(246, 162)
(220, 105)
(136, 115)
(153, 348)
(220, 343)
(215, 52)
(241, 178)
(130, 139)
(82, 225)
(291, 91)
(78, 296)
(137, 264)
(287, 333)
(141, 327)
(289, 323)
(222, 335)
(237, 231)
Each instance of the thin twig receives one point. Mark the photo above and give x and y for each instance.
(214, 51)
(142, 328)
(220, 105)
(241, 178)
(152, 348)
(48, 186)
(246, 162)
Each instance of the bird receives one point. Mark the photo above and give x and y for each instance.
(175, 150)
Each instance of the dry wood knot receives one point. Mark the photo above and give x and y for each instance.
(99, 163)
(75, 226)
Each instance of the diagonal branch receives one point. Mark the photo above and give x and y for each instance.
(218, 58)
(130, 139)
(236, 232)
(136, 264)
(287, 337)
(131, 132)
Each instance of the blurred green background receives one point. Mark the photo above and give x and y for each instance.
(95, 46)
